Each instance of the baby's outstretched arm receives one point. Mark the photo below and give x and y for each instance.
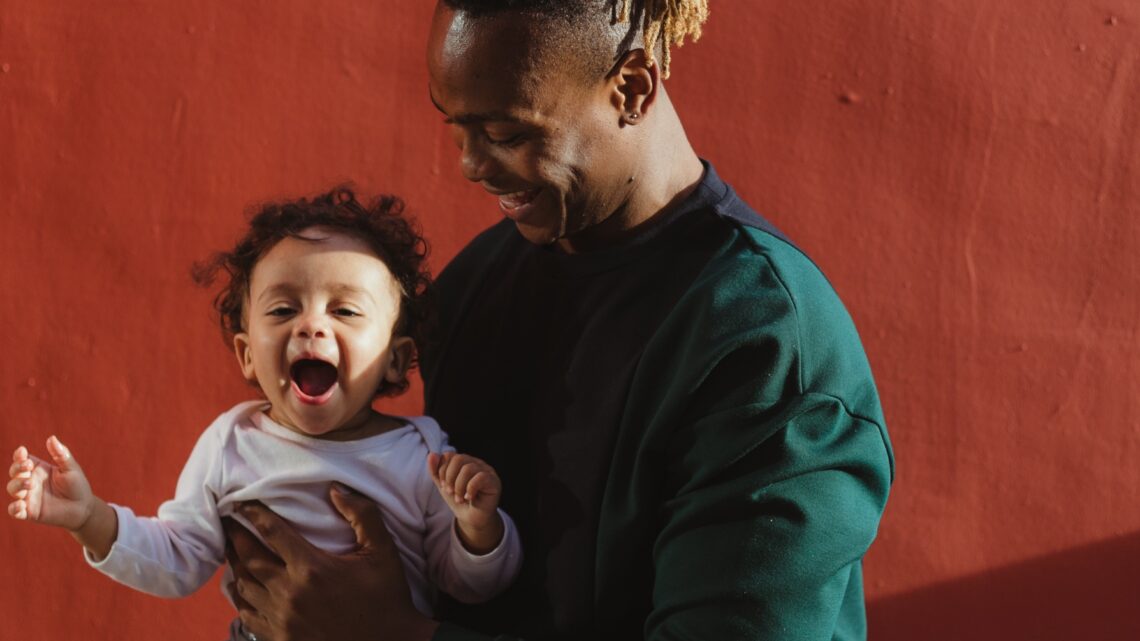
(471, 489)
(57, 493)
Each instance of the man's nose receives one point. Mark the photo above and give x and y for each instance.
(475, 162)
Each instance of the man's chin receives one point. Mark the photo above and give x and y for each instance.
(538, 234)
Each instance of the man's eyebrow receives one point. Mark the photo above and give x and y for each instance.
(474, 118)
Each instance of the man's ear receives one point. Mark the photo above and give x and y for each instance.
(244, 354)
(634, 81)
(400, 354)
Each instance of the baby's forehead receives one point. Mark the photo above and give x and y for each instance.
(322, 240)
(325, 258)
(324, 234)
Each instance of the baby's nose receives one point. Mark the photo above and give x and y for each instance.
(311, 326)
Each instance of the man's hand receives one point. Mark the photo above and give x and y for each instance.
(292, 591)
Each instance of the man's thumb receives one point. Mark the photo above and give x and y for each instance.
(363, 515)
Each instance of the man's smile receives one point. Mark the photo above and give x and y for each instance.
(514, 204)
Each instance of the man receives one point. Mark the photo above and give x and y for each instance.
(687, 429)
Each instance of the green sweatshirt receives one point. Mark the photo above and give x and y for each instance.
(687, 428)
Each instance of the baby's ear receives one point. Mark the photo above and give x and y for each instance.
(244, 354)
(400, 354)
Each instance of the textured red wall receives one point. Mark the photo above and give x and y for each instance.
(966, 171)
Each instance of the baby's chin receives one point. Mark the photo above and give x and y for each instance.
(316, 424)
(326, 423)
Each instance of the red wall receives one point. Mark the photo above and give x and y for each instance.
(966, 171)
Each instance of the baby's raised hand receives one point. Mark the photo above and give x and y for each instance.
(54, 493)
(471, 489)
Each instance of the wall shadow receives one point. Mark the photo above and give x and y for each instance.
(1087, 593)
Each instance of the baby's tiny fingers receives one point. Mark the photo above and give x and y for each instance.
(454, 465)
(463, 480)
(18, 488)
(21, 467)
(475, 485)
(18, 509)
(442, 459)
(483, 483)
(484, 480)
(60, 454)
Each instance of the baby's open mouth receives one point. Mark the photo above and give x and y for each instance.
(313, 378)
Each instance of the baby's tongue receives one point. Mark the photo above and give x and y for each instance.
(314, 377)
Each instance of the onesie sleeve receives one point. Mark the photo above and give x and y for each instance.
(173, 554)
(469, 578)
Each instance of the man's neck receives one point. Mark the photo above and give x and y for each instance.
(668, 171)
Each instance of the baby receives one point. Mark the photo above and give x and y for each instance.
(324, 301)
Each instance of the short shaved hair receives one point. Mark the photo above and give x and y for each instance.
(590, 31)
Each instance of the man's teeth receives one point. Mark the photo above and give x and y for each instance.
(517, 198)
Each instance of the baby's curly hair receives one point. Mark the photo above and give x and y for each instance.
(380, 223)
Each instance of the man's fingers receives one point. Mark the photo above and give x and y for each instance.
(255, 625)
(252, 594)
(251, 618)
(241, 546)
(251, 562)
(364, 516)
(280, 537)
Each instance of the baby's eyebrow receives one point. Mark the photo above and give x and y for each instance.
(336, 289)
(276, 290)
(341, 289)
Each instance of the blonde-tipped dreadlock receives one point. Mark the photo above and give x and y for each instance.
(670, 21)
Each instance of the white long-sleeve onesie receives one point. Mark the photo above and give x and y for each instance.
(244, 455)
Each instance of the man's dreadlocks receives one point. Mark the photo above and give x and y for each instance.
(669, 20)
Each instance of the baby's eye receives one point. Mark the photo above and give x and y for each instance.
(280, 311)
(344, 311)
